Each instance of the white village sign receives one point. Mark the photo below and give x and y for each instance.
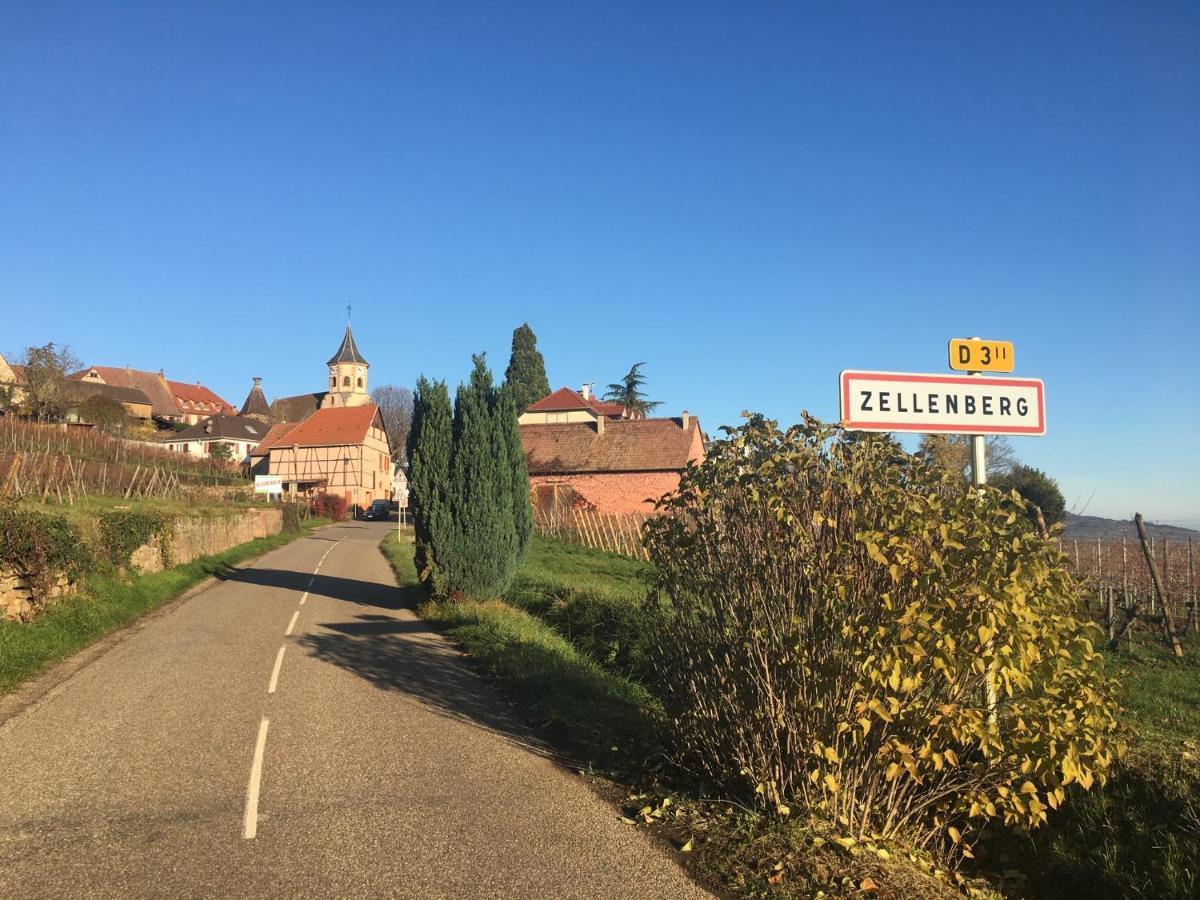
(268, 484)
(905, 401)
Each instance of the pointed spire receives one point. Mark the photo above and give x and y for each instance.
(256, 402)
(348, 351)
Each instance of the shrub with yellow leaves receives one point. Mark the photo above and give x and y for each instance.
(850, 633)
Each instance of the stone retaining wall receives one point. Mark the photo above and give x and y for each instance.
(190, 538)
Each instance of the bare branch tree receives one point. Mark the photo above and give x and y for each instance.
(396, 406)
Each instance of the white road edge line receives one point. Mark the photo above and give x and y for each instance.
(275, 671)
(292, 624)
(250, 819)
(303, 597)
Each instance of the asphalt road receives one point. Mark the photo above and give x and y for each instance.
(292, 731)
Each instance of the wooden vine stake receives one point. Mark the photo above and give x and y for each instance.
(1158, 586)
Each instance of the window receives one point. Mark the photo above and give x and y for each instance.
(345, 381)
(360, 382)
(332, 381)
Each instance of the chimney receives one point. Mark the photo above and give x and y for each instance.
(687, 420)
(586, 390)
(600, 417)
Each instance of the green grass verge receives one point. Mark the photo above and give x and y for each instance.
(105, 603)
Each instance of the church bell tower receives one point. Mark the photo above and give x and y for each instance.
(347, 376)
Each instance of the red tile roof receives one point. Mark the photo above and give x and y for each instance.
(565, 399)
(197, 395)
(626, 445)
(331, 427)
(274, 437)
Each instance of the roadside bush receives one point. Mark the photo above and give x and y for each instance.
(330, 506)
(40, 548)
(852, 634)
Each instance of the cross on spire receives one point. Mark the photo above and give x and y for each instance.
(348, 308)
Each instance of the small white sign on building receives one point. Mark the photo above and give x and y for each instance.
(268, 484)
(908, 401)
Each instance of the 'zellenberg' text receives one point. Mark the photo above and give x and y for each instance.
(940, 402)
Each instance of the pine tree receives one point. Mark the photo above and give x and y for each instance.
(483, 547)
(522, 512)
(430, 448)
(628, 392)
(526, 372)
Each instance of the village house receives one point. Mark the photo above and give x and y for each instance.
(582, 453)
(332, 441)
(135, 403)
(196, 402)
(170, 401)
(10, 385)
(241, 434)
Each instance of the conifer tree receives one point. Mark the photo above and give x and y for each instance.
(430, 449)
(522, 512)
(483, 548)
(526, 372)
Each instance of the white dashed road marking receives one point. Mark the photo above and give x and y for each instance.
(275, 671)
(250, 819)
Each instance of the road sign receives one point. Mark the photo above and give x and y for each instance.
(268, 484)
(905, 401)
(975, 355)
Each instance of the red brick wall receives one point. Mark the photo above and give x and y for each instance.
(620, 492)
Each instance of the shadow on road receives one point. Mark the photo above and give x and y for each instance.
(409, 657)
(395, 654)
(351, 590)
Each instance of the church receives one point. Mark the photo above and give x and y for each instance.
(332, 441)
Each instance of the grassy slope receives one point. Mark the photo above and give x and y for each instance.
(106, 603)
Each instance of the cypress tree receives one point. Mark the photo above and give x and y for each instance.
(522, 512)
(430, 448)
(526, 372)
(481, 561)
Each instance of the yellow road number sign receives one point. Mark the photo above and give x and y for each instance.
(970, 355)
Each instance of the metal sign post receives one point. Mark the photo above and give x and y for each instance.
(979, 479)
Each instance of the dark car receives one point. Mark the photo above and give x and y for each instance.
(379, 509)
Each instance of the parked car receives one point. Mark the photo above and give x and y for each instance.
(379, 509)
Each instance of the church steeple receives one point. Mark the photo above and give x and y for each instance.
(347, 375)
(348, 351)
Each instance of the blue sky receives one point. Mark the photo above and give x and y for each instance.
(747, 197)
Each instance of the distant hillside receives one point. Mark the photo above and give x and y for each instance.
(1093, 527)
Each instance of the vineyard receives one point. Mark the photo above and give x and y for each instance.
(610, 532)
(1116, 576)
(63, 465)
